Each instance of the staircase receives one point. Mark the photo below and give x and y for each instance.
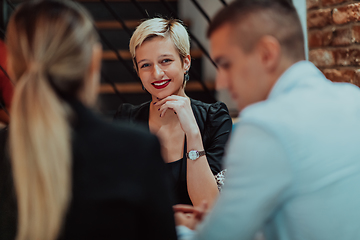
(119, 82)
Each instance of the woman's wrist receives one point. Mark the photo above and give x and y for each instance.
(193, 136)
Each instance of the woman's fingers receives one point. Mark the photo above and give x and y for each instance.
(201, 210)
(183, 208)
(188, 215)
(162, 112)
(185, 219)
(174, 102)
(182, 107)
(198, 211)
(169, 105)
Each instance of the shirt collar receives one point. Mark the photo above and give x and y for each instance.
(293, 76)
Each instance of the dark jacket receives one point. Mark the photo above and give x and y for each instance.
(215, 126)
(120, 186)
(8, 210)
(119, 183)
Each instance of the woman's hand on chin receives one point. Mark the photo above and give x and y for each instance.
(182, 108)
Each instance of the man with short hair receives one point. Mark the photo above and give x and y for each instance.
(293, 166)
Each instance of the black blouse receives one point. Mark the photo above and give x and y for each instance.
(215, 126)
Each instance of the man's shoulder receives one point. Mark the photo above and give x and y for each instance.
(317, 100)
(307, 110)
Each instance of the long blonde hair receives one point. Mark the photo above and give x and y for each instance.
(50, 46)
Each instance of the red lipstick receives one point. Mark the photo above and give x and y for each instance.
(161, 84)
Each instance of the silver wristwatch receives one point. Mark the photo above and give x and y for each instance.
(194, 154)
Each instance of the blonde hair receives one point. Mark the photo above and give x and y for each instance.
(50, 46)
(165, 28)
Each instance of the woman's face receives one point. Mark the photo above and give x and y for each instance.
(160, 67)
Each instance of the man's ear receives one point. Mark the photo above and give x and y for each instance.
(187, 62)
(270, 52)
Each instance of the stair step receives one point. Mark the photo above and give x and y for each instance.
(125, 54)
(20, 1)
(106, 88)
(131, 24)
(127, 10)
(118, 0)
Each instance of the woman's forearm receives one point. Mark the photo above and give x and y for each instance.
(201, 183)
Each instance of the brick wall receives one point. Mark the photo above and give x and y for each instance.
(334, 38)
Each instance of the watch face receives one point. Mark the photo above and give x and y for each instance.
(193, 155)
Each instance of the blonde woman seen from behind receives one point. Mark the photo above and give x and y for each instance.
(72, 179)
(192, 133)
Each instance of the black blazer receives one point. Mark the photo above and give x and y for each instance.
(8, 209)
(215, 126)
(119, 183)
(120, 186)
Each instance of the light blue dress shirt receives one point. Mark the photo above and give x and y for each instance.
(293, 164)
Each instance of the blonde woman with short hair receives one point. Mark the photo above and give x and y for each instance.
(76, 176)
(192, 133)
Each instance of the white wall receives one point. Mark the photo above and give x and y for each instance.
(187, 10)
(199, 24)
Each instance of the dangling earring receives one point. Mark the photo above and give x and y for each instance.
(186, 76)
(143, 88)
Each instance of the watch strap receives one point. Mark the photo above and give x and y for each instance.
(201, 153)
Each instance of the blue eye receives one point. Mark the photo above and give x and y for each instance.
(166, 60)
(145, 65)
